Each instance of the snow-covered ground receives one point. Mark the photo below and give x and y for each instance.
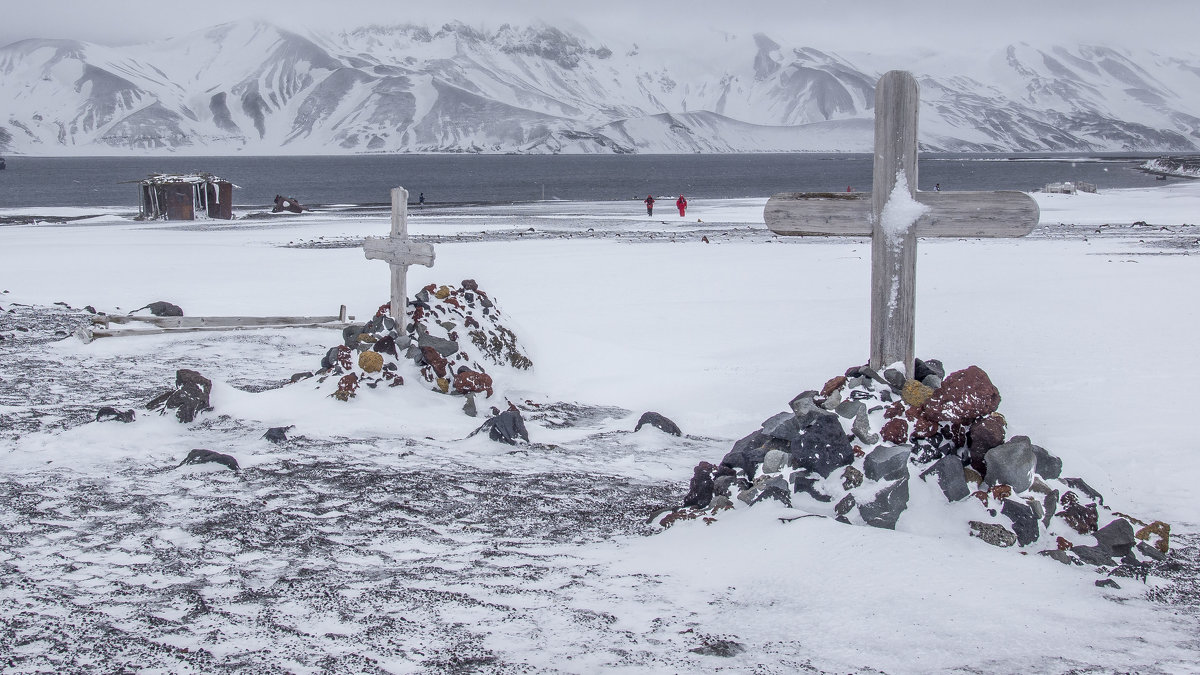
(382, 539)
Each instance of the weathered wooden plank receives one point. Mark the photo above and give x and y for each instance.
(219, 321)
(96, 333)
(399, 251)
(951, 214)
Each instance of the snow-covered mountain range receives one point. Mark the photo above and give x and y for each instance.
(252, 87)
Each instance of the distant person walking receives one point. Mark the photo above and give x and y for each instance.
(421, 199)
(937, 187)
(649, 205)
(681, 204)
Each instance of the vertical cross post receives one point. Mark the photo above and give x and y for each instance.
(399, 252)
(893, 250)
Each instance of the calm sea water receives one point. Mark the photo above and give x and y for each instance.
(106, 181)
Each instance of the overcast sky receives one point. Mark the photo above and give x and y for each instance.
(852, 25)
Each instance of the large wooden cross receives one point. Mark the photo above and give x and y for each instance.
(400, 252)
(894, 214)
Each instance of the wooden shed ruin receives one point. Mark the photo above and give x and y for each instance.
(185, 197)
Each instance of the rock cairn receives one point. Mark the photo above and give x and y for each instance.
(455, 335)
(854, 450)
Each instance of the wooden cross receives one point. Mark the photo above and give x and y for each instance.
(894, 214)
(400, 252)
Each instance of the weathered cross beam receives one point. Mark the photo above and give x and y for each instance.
(894, 214)
(400, 252)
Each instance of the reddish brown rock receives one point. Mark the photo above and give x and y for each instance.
(895, 430)
(833, 385)
(893, 410)
(346, 387)
(987, 433)
(434, 360)
(981, 496)
(965, 396)
(1064, 545)
(1082, 519)
(1001, 491)
(923, 429)
(471, 382)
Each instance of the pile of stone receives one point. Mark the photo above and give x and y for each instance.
(454, 336)
(854, 450)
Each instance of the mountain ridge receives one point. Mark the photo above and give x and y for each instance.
(251, 87)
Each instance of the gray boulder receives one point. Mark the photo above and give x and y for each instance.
(887, 506)
(887, 463)
(862, 429)
(1093, 555)
(749, 452)
(1025, 523)
(440, 345)
(784, 426)
(1012, 464)
(851, 409)
(950, 477)
(804, 404)
(1048, 466)
(774, 460)
(1116, 537)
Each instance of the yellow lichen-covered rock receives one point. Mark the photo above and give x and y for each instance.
(366, 337)
(371, 362)
(916, 393)
(442, 293)
(1156, 529)
(443, 385)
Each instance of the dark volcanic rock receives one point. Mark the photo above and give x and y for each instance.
(774, 492)
(749, 452)
(161, 308)
(1116, 537)
(823, 446)
(887, 463)
(200, 456)
(1025, 522)
(887, 506)
(1048, 466)
(659, 422)
(700, 490)
(785, 426)
(188, 399)
(1078, 484)
(808, 486)
(985, 434)
(923, 369)
(278, 434)
(1093, 555)
(895, 430)
(109, 413)
(965, 396)
(950, 477)
(507, 427)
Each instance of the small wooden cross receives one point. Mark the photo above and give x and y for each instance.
(400, 252)
(894, 214)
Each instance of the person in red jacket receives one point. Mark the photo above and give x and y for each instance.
(681, 204)
(649, 205)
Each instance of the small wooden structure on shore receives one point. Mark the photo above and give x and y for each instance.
(185, 197)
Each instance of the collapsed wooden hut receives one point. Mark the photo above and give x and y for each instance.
(185, 197)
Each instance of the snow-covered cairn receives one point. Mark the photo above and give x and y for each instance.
(858, 449)
(455, 335)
